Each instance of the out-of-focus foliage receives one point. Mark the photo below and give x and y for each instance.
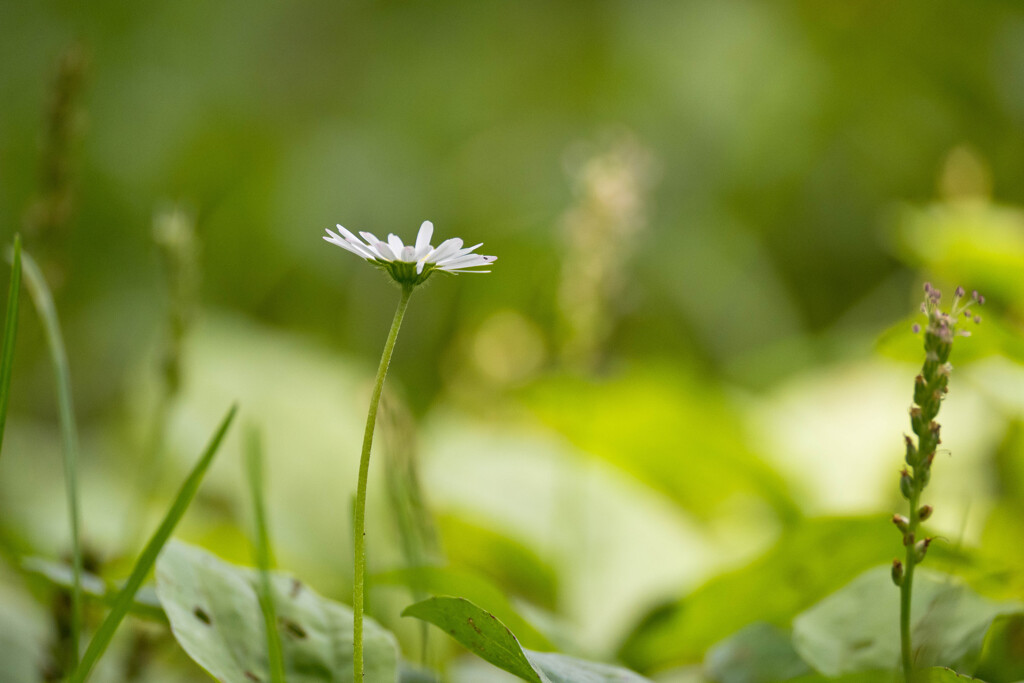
(634, 439)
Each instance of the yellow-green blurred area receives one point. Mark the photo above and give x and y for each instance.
(675, 407)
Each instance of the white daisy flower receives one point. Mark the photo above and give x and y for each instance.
(412, 264)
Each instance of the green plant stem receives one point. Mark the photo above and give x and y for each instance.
(126, 597)
(261, 546)
(10, 333)
(359, 533)
(69, 432)
(907, 589)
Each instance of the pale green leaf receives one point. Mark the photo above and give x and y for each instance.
(216, 617)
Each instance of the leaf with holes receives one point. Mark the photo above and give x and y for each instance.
(215, 615)
(482, 634)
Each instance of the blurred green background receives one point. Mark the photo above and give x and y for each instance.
(712, 220)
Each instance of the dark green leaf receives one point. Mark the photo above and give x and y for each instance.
(482, 634)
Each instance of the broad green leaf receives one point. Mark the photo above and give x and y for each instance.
(558, 668)
(856, 628)
(974, 244)
(509, 561)
(1002, 655)
(482, 634)
(759, 653)
(480, 591)
(215, 615)
(808, 562)
(889, 676)
(943, 675)
(676, 434)
(59, 574)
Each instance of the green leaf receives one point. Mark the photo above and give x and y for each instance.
(61, 575)
(1002, 655)
(674, 433)
(10, 334)
(759, 653)
(942, 675)
(47, 311)
(482, 634)
(772, 588)
(856, 628)
(215, 615)
(509, 561)
(476, 589)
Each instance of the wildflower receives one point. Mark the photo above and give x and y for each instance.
(410, 264)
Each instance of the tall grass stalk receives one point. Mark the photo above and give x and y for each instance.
(47, 311)
(359, 582)
(123, 602)
(10, 334)
(263, 552)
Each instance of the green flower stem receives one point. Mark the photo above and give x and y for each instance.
(907, 588)
(364, 469)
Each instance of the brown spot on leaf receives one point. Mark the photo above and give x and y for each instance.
(473, 625)
(291, 628)
(202, 616)
(251, 676)
(296, 589)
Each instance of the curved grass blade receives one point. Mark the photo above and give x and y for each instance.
(147, 559)
(261, 547)
(10, 333)
(43, 301)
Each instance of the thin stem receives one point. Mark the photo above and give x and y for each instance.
(69, 432)
(364, 469)
(261, 548)
(906, 590)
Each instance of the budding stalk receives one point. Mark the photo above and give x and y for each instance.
(930, 388)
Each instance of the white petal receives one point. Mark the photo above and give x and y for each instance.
(347, 234)
(351, 243)
(424, 235)
(370, 238)
(395, 242)
(408, 254)
(419, 267)
(385, 252)
(465, 261)
(447, 249)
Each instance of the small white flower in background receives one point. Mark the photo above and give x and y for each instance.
(412, 264)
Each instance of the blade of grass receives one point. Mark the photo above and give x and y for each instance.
(43, 301)
(123, 603)
(261, 547)
(10, 332)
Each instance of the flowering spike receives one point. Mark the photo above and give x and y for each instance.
(897, 572)
(925, 512)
